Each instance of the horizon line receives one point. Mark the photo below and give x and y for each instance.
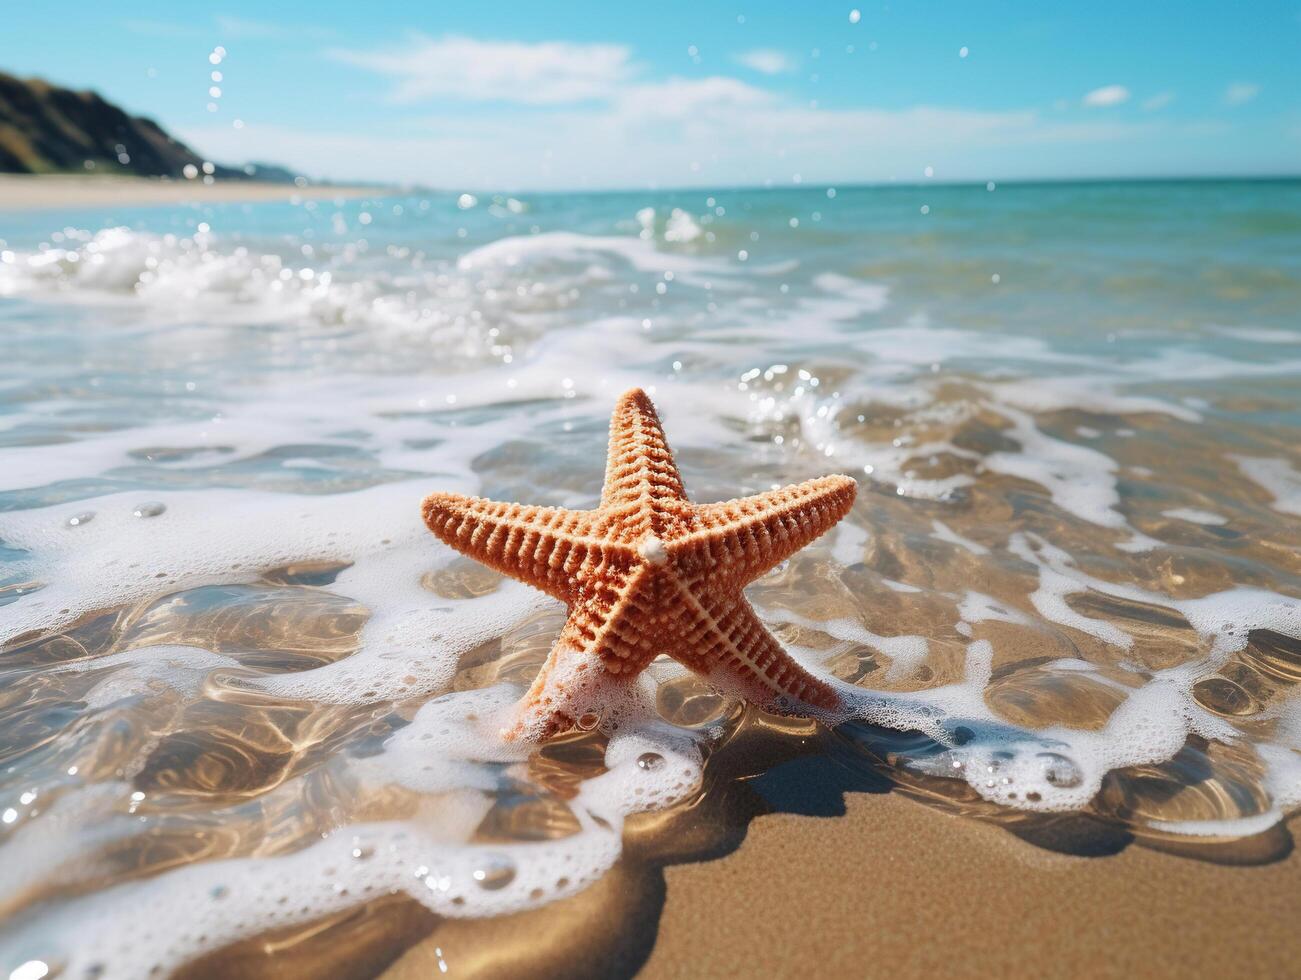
(836, 185)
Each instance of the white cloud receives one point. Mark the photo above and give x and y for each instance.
(1108, 95)
(715, 132)
(1240, 92)
(678, 98)
(1159, 101)
(766, 61)
(549, 73)
(578, 116)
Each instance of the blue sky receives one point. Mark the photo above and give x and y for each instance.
(576, 95)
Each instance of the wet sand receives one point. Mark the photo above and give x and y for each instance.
(894, 888)
(795, 861)
(20, 192)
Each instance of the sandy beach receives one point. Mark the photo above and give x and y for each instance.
(35, 193)
(891, 887)
(800, 859)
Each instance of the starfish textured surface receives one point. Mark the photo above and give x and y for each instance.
(648, 572)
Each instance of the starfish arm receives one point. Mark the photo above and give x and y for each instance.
(600, 650)
(747, 537)
(640, 464)
(722, 638)
(549, 548)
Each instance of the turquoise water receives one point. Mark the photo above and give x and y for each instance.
(1072, 409)
(1117, 270)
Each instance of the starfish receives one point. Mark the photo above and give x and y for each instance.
(646, 573)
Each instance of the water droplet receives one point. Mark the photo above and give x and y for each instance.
(589, 721)
(363, 851)
(150, 508)
(650, 760)
(495, 871)
(76, 520)
(1060, 771)
(31, 970)
(437, 883)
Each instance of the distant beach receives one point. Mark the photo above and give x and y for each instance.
(22, 192)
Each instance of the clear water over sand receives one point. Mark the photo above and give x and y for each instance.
(245, 692)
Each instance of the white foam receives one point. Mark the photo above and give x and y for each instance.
(1231, 827)
(853, 297)
(1090, 394)
(143, 671)
(849, 542)
(563, 246)
(942, 532)
(681, 228)
(894, 586)
(1260, 335)
(1226, 617)
(1278, 478)
(893, 464)
(409, 644)
(1194, 516)
(1080, 480)
(160, 923)
(976, 607)
(906, 652)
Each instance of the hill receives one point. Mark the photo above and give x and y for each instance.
(45, 129)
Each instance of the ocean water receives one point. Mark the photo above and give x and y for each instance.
(247, 698)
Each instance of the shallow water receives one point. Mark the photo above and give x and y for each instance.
(246, 693)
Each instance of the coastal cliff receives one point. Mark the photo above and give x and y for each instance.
(45, 128)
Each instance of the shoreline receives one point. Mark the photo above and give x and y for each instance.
(792, 859)
(35, 192)
(49, 192)
(892, 887)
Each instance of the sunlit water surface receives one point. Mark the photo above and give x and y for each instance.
(246, 694)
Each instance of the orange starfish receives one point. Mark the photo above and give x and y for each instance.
(648, 572)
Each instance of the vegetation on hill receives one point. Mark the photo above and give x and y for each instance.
(47, 129)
